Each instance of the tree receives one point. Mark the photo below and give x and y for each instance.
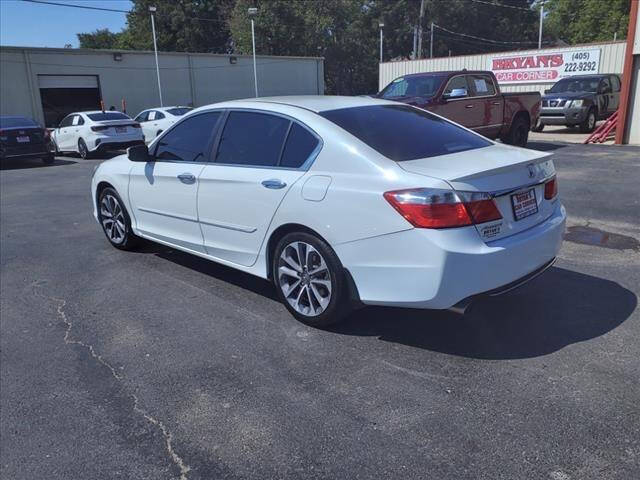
(102, 38)
(584, 21)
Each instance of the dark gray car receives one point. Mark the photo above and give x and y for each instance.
(580, 101)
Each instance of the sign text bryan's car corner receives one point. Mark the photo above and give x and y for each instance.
(544, 67)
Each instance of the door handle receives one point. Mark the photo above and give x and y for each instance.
(274, 183)
(187, 178)
(468, 106)
(495, 103)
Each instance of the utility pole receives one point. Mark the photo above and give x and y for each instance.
(381, 25)
(155, 49)
(252, 13)
(415, 42)
(431, 42)
(541, 20)
(420, 29)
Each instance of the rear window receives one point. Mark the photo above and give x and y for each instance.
(401, 132)
(10, 122)
(99, 117)
(179, 111)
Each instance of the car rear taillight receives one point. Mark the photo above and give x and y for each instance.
(436, 208)
(99, 129)
(551, 189)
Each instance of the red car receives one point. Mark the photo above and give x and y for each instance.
(472, 99)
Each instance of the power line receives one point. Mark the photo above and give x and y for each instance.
(488, 40)
(500, 5)
(86, 7)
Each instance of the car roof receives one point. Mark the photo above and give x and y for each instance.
(314, 103)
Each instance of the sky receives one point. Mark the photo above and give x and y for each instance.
(36, 25)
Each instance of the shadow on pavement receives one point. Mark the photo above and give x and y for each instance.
(32, 163)
(557, 309)
(547, 146)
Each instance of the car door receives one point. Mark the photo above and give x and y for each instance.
(75, 132)
(63, 132)
(462, 110)
(259, 156)
(614, 97)
(488, 105)
(142, 119)
(604, 97)
(163, 192)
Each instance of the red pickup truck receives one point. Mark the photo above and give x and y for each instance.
(472, 99)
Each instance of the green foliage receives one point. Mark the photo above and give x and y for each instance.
(584, 21)
(102, 38)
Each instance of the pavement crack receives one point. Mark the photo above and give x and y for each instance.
(168, 437)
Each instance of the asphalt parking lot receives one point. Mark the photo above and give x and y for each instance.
(159, 365)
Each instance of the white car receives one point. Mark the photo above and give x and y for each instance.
(340, 201)
(156, 120)
(87, 133)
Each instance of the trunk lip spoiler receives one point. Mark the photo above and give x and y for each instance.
(506, 191)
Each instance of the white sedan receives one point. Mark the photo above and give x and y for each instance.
(340, 201)
(156, 120)
(87, 133)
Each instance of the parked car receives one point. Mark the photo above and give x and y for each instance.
(88, 133)
(156, 120)
(472, 99)
(340, 201)
(22, 138)
(580, 101)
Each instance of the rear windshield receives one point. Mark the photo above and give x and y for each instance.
(98, 117)
(179, 111)
(401, 132)
(10, 122)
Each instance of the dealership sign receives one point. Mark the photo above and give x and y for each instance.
(544, 67)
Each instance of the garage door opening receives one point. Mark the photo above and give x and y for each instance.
(64, 94)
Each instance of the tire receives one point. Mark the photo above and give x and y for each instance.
(538, 127)
(83, 150)
(518, 133)
(49, 159)
(118, 233)
(589, 123)
(319, 298)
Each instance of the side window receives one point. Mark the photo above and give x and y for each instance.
(456, 83)
(252, 138)
(605, 86)
(80, 120)
(482, 85)
(66, 121)
(615, 83)
(76, 120)
(188, 141)
(159, 115)
(142, 117)
(152, 115)
(300, 144)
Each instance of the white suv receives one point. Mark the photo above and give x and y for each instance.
(90, 132)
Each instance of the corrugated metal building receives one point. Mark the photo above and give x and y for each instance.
(48, 83)
(611, 60)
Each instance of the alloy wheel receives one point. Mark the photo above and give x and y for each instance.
(304, 279)
(592, 120)
(112, 217)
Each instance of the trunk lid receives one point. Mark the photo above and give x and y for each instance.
(514, 176)
(117, 127)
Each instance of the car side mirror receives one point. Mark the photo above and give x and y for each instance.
(456, 93)
(139, 153)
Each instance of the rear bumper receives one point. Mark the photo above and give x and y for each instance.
(437, 269)
(106, 145)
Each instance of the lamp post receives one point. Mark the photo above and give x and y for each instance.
(252, 12)
(155, 49)
(381, 25)
(540, 30)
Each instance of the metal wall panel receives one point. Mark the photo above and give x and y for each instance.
(611, 61)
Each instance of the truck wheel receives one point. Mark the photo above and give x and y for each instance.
(589, 124)
(518, 133)
(538, 127)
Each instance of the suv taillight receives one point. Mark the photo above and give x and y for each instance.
(436, 208)
(551, 189)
